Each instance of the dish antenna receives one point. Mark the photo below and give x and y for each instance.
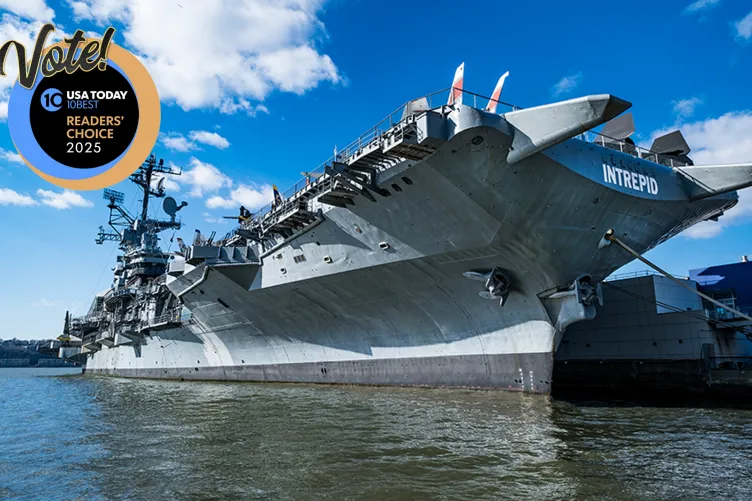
(171, 207)
(160, 184)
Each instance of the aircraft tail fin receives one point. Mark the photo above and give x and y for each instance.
(491, 108)
(455, 93)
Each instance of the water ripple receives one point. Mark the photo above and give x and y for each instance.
(102, 438)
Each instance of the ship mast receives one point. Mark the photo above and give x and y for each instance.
(143, 178)
(127, 228)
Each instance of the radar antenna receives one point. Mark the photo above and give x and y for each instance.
(143, 178)
(171, 207)
(127, 228)
(119, 217)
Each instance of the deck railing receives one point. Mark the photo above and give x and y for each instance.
(637, 274)
(631, 149)
(723, 314)
(434, 101)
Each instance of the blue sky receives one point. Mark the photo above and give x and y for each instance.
(255, 92)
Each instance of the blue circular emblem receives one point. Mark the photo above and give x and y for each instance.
(52, 99)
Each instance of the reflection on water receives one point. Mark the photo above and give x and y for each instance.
(101, 438)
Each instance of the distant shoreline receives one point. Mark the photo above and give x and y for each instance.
(23, 363)
(41, 367)
(35, 371)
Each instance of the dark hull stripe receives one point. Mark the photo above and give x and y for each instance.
(529, 372)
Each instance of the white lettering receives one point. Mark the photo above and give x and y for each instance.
(629, 179)
(643, 182)
(96, 94)
(611, 175)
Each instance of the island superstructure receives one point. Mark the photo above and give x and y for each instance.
(450, 245)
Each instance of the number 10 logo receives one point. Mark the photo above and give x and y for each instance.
(52, 100)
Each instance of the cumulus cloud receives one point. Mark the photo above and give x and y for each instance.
(229, 106)
(178, 142)
(297, 69)
(567, 84)
(743, 27)
(204, 178)
(168, 183)
(10, 156)
(11, 197)
(210, 138)
(700, 5)
(64, 200)
(245, 50)
(685, 108)
(214, 220)
(251, 197)
(723, 140)
(29, 9)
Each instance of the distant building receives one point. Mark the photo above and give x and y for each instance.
(652, 335)
(730, 284)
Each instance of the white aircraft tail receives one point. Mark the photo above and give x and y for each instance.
(497, 93)
(455, 93)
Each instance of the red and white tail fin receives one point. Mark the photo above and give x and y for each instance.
(496, 94)
(455, 93)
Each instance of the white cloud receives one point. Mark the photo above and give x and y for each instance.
(10, 197)
(204, 178)
(115, 10)
(245, 50)
(723, 140)
(44, 303)
(168, 183)
(685, 108)
(10, 156)
(176, 142)
(13, 27)
(217, 202)
(30, 9)
(229, 106)
(210, 138)
(297, 69)
(251, 197)
(567, 84)
(63, 200)
(214, 220)
(744, 27)
(700, 5)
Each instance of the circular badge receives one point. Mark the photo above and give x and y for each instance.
(87, 130)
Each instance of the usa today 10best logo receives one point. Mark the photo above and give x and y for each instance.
(84, 113)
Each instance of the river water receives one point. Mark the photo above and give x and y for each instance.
(83, 437)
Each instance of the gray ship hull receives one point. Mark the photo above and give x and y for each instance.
(380, 296)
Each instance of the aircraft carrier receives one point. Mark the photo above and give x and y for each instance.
(450, 245)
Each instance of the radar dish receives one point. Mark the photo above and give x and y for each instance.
(170, 206)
